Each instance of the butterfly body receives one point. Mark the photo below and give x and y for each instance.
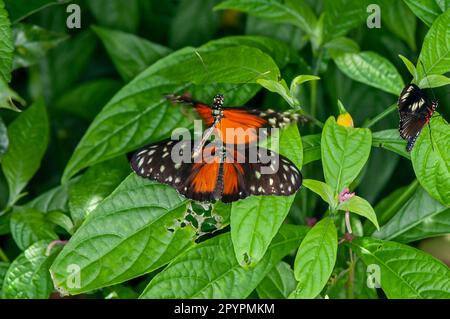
(415, 110)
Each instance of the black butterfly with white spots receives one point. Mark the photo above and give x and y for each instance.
(415, 110)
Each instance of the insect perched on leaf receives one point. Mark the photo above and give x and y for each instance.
(415, 110)
(229, 168)
(224, 172)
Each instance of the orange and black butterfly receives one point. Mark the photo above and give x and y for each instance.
(218, 172)
(415, 110)
(230, 168)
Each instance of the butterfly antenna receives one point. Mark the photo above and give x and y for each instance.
(426, 77)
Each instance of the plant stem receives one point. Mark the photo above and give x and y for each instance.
(381, 116)
(351, 274)
(313, 84)
(3, 256)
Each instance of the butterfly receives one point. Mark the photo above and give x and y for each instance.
(220, 172)
(238, 119)
(415, 110)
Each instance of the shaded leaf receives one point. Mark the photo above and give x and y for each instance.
(390, 140)
(4, 141)
(20, 9)
(311, 148)
(405, 271)
(278, 283)
(130, 54)
(28, 136)
(6, 45)
(8, 97)
(117, 14)
(28, 276)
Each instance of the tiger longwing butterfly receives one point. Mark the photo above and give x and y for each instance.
(415, 110)
(216, 117)
(222, 172)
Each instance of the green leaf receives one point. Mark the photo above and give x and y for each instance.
(256, 220)
(87, 99)
(61, 220)
(410, 66)
(20, 9)
(6, 45)
(435, 54)
(343, 15)
(281, 88)
(418, 208)
(300, 79)
(405, 272)
(425, 10)
(94, 186)
(345, 150)
(294, 12)
(210, 269)
(32, 43)
(390, 140)
(390, 205)
(28, 276)
(311, 148)
(4, 141)
(436, 225)
(130, 54)
(399, 19)
(183, 32)
(116, 14)
(361, 207)
(8, 96)
(372, 69)
(315, 259)
(434, 81)
(3, 269)
(135, 230)
(432, 164)
(323, 190)
(140, 108)
(28, 136)
(278, 283)
(29, 225)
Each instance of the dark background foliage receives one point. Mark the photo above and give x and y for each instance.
(67, 76)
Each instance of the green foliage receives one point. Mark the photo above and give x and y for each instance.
(75, 219)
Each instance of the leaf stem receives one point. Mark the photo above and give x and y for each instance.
(381, 116)
(3, 256)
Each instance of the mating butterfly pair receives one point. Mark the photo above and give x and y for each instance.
(229, 169)
(415, 110)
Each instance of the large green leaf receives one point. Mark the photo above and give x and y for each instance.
(29, 225)
(130, 54)
(294, 12)
(432, 162)
(433, 226)
(139, 114)
(32, 43)
(6, 45)
(345, 150)
(435, 54)
(372, 69)
(135, 230)
(278, 284)
(117, 14)
(315, 259)
(28, 136)
(419, 207)
(20, 9)
(256, 220)
(28, 276)
(425, 10)
(405, 272)
(210, 269)
(94, 185)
